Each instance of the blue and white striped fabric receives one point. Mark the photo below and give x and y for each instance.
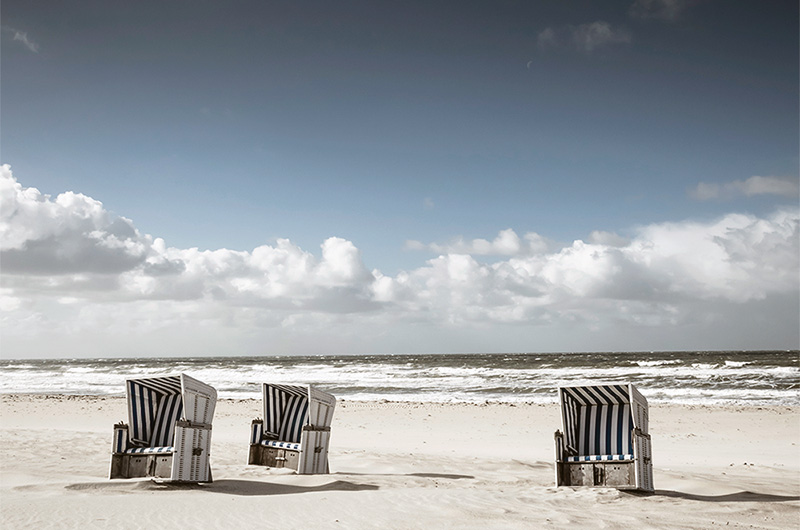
(154, 405)
(571, 414)
(281, 445)
(598, 395)
(150, 450)
(256, 430)
(594, 458)
(120, 439)
(285, 411)
(169, 412)
(597, 422)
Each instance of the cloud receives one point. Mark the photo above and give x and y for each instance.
(507, 243)
(21, 36)
(584, 38)
(599, 237)
(72, 246)
(85, 279)
(72, 233)
(781, 186)
(547, 38)
(588, 37)
(667, 10)
(736, 259)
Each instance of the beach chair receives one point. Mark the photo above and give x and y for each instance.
(168, 434)
(603, 439)
(296, 430)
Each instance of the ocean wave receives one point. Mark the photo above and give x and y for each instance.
(691, 377)
(736, 364)
(661, 362)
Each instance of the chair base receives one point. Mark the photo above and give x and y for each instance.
(273, 457)
(141, 465)
(615, 474)
(157, 466)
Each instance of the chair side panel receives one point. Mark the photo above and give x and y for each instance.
(191, 454)
(199, 404)
(644, 463)
(320, 413)
(119, 443)
(640, 416)
(640, 409)
(317, 432)
(314, 452)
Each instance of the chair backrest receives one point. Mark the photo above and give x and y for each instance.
(285, 411)
(169, 411)
(598, 419)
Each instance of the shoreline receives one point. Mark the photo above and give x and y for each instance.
(457, 465)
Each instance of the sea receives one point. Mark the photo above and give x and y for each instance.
(688, 377)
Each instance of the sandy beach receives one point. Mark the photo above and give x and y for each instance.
(403, 465)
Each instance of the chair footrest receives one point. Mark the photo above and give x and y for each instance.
(149, 450)
(597, 458)
(281, 445)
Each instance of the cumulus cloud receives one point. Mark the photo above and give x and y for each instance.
(22, 37)
(72, 233)
(756, 185)
(72, 245)
(668, 10)
(735, 259)
(72, 270)
(584, 38)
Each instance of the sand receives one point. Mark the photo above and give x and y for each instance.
(399, 465)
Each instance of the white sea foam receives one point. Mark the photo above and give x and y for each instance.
(735, 364)
(681, 378)
(660, 362)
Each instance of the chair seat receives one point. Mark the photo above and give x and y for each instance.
(595, 458)
(281, 445)
(149, 450)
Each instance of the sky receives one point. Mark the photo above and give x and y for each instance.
(260, 178)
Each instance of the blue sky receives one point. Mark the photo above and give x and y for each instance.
(408, 131)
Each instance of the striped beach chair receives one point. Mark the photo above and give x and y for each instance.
(168, 434)
(295, 431)
(603, 439)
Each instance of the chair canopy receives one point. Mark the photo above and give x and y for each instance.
(155, 404)
(597, 420)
